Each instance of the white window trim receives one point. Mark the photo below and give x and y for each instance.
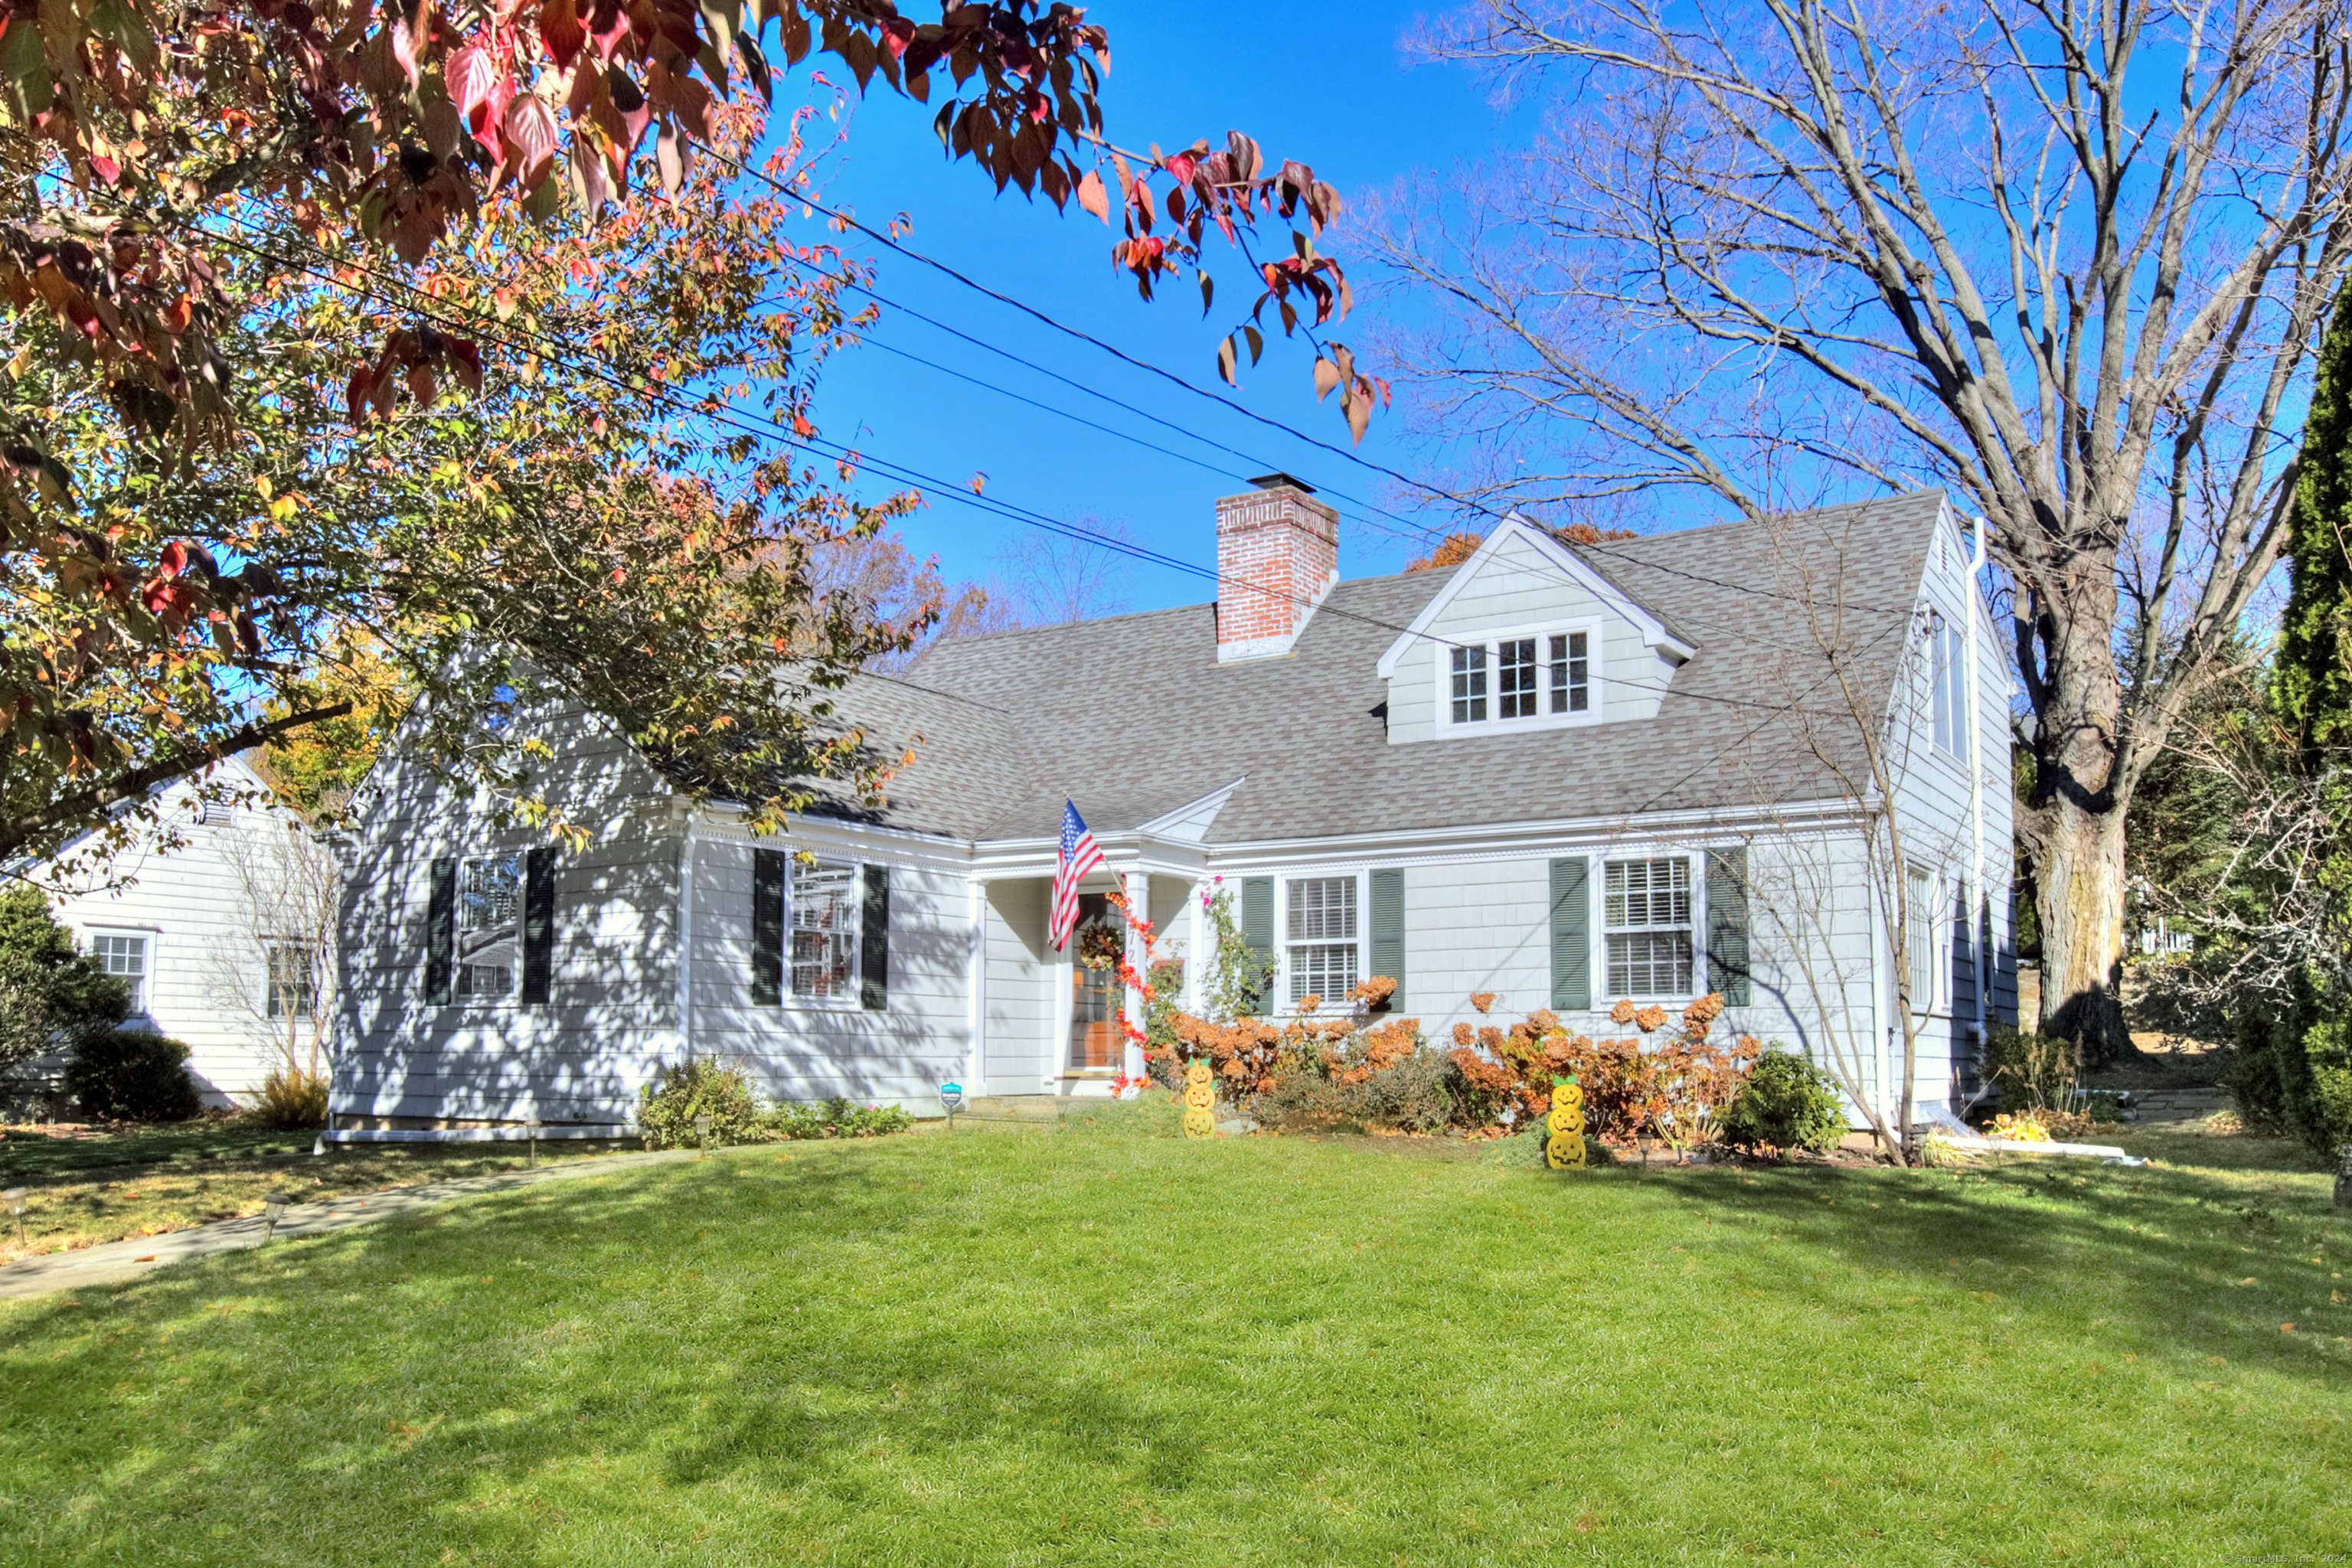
(151, 958)
(458, 995)
(1594, 677)
(1935, 921)
(852, 998)
(1603, 995)
(1332, 1006)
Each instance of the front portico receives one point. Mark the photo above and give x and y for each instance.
(1046, 1022)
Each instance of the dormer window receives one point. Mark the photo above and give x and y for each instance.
(1571, 673)
(1527, 679)
(1469, 686)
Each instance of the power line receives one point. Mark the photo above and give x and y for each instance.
(435, 309)
(1363, 507)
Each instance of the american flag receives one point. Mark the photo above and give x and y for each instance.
(1079, 856)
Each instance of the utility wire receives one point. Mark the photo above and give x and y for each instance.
(571, 355)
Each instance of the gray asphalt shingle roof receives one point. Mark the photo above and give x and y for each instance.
(1131, 716)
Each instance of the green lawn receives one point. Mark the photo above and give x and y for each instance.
(1095, 1346)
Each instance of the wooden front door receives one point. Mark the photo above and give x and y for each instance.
(1095, 1044)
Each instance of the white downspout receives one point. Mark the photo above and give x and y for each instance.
(686, 940)
(975, 1066)
(1978, 901)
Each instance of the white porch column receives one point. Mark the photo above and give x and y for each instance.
(1138, 888)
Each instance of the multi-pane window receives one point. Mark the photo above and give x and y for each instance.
(293, 979)
(1571, 673)
(823, 934)
(1469, 685)
(1521, 679)
(489, 911)
(1515, 678)
(1322, 937)
(1919, 925)
(1648, 926)
(125, 958)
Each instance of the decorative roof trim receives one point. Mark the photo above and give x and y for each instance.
(1173, 823)
(1654, 631)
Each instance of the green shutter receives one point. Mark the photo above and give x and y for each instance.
(441, 934)
(1571, 934)
(1727, 924)
(874, 942)
(1388, 931)
(767, 928)
(1257, 931)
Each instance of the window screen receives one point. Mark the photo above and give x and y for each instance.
(1647, 915)
(1919, 925)
(124, 957)
(293, 980)
(489, 911)
(825, 926)
(1322, 937)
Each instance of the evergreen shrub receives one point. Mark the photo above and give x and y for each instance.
(132, 1075)
(1786, 1103)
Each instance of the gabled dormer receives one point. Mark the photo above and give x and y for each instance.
(1527, 635)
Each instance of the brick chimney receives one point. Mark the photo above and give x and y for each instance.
(1277, 555)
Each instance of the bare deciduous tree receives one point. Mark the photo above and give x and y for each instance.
(2066, 258)
(276, 961)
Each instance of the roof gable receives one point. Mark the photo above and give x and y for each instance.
(1518, 535)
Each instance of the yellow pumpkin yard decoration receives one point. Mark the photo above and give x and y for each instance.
(1199, 1101)
(1564, 1146)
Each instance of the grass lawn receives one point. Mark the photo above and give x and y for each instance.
(86, 1188)
(1101, 1345)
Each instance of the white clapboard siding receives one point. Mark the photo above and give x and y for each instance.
(611, 1015)
(206, 980)
(1518, 586)
(805, 1050)
(1016, 1056)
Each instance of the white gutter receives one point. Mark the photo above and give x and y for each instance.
(1978, 901)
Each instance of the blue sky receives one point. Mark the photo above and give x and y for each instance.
(1335, 92)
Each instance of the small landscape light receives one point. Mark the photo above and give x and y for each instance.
(702, 1130)
(15, 1197)
(273, 1208)
(533, 1125)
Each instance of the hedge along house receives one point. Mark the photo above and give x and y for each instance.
(1719, 758)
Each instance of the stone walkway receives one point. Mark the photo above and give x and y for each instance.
(117, 1261)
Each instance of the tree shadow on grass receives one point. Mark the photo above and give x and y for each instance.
(2193, 1261)
(815, 1325)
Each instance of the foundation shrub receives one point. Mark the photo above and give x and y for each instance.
(836, 1118)
(1786, 1103)
(700, 1087)
(291, 1098)
(2034, 1072)
(132, 1075)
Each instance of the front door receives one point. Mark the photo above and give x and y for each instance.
(1095, 989)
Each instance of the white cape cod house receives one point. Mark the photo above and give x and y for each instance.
(217, 914)
(1561, 773)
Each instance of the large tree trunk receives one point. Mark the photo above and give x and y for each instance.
(2079, 901)
(2072, 823)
